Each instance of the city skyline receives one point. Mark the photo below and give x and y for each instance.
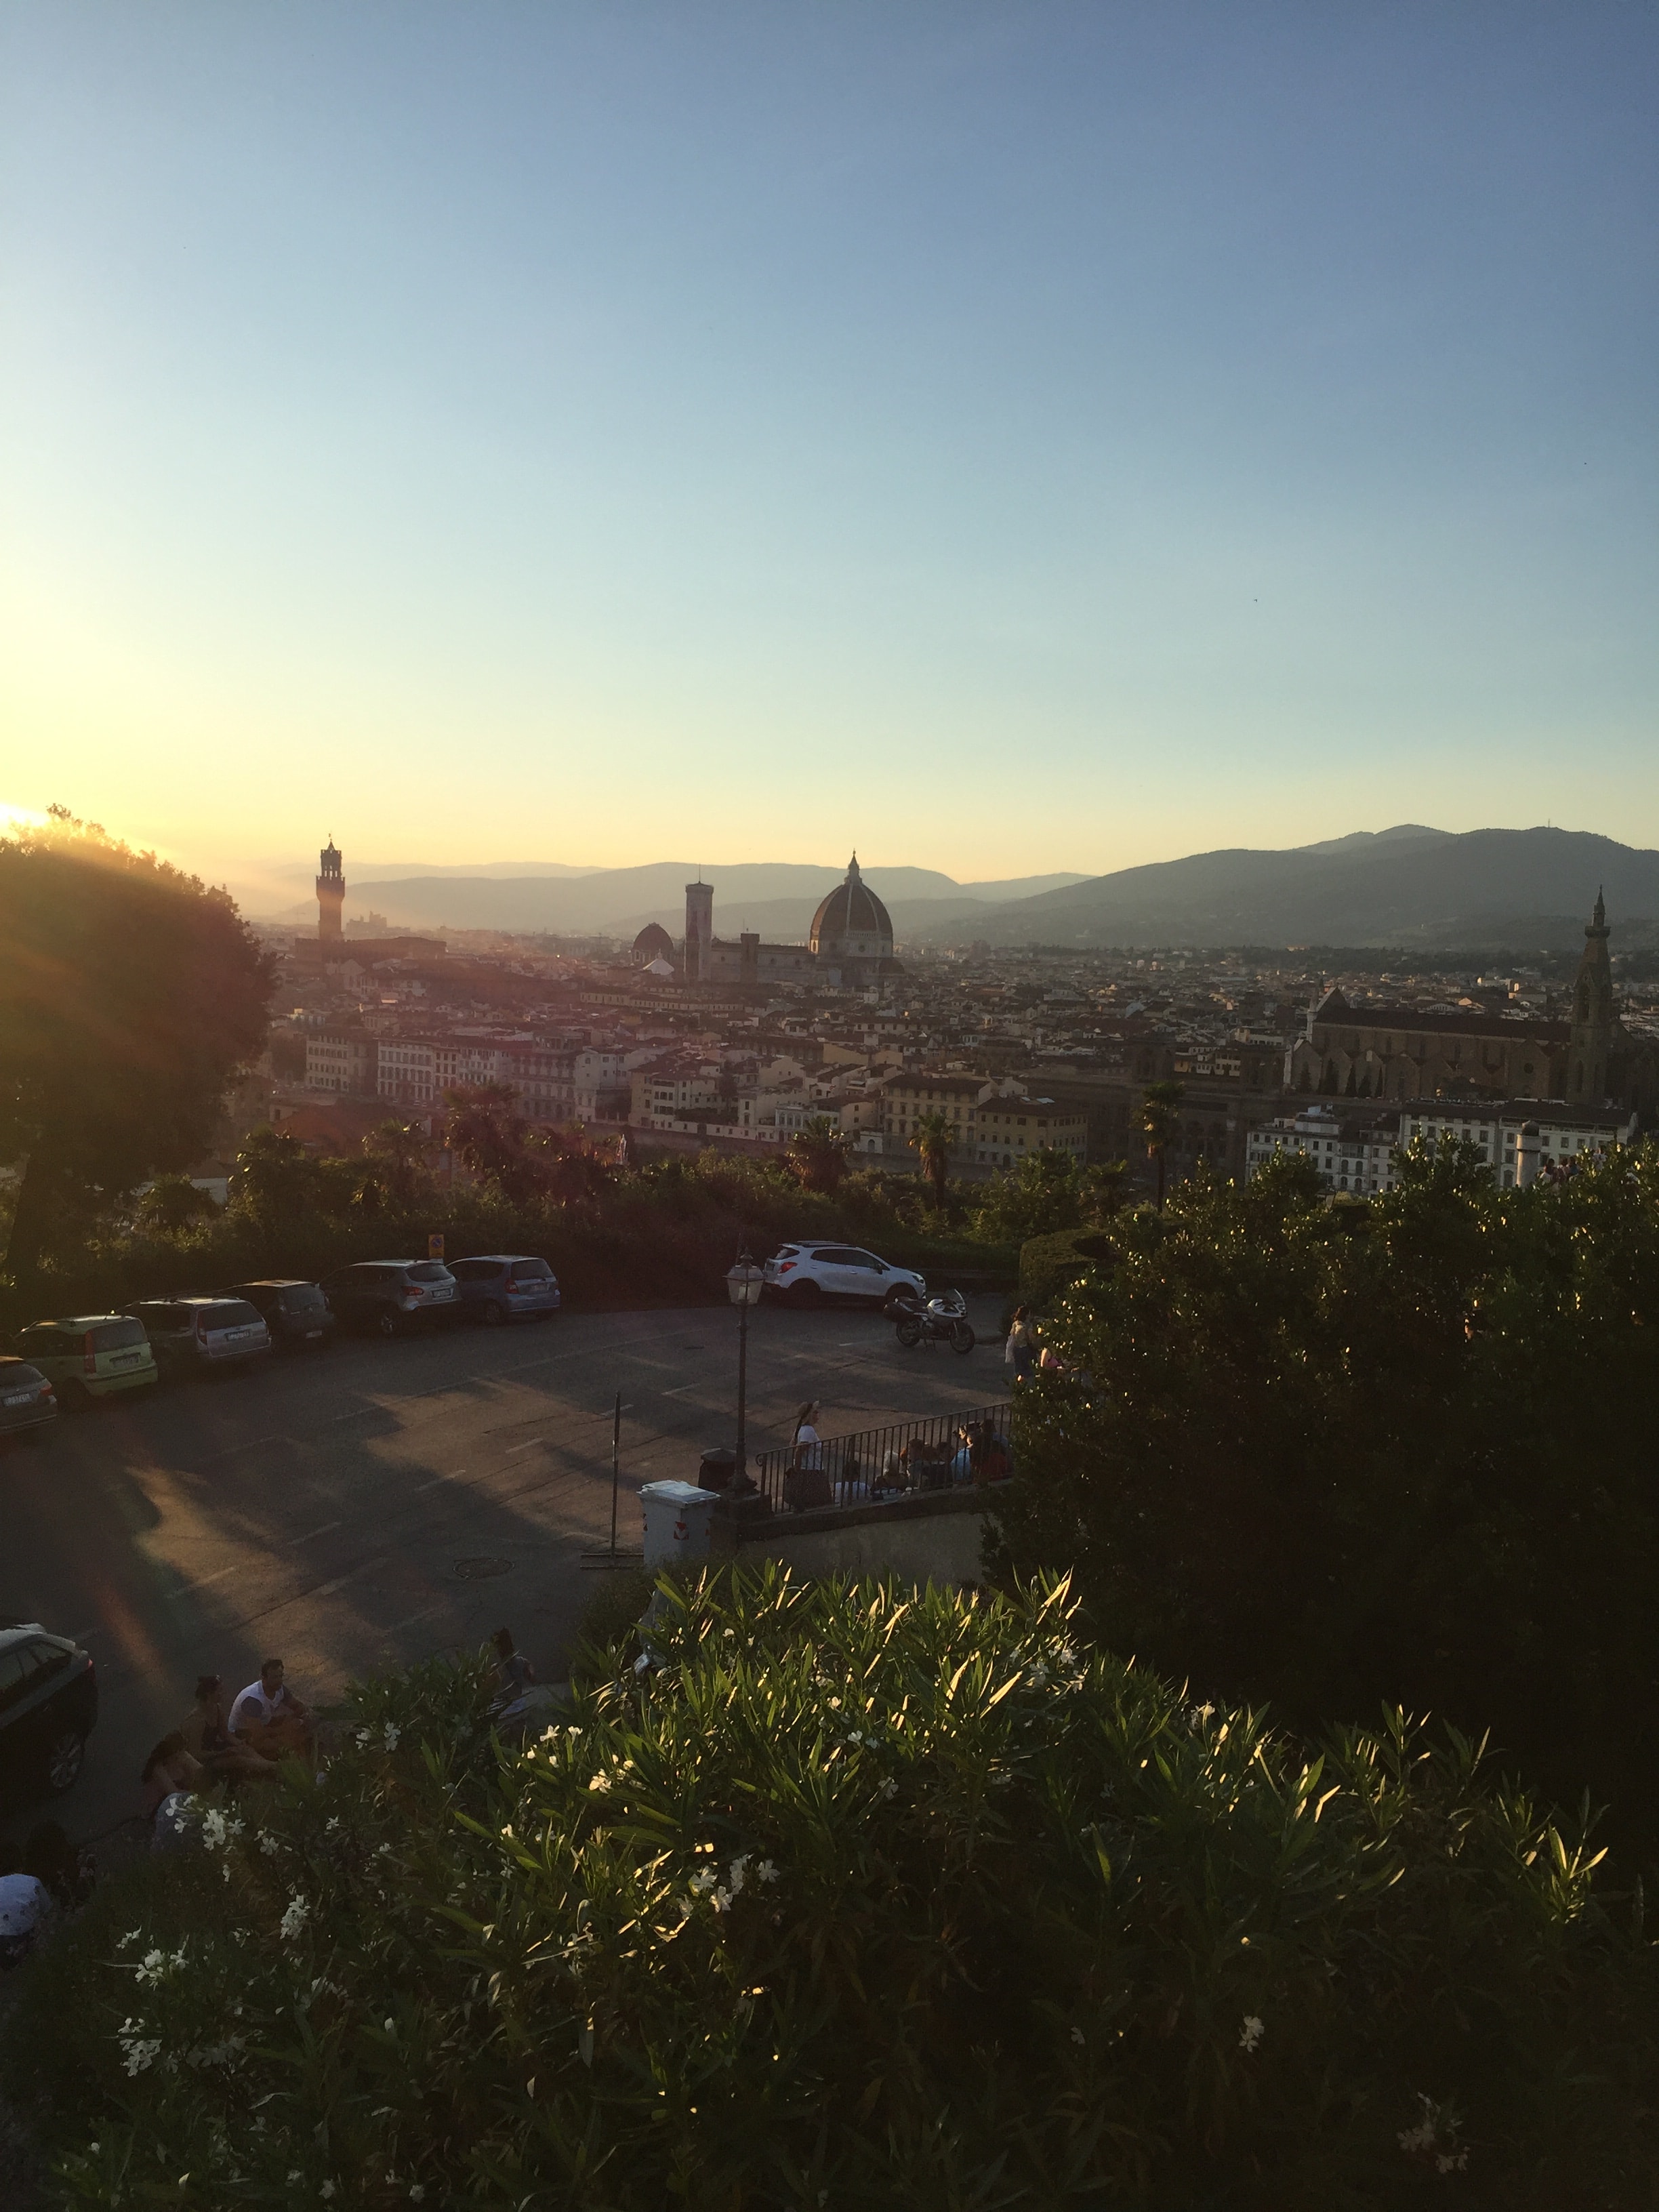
(1050, 440)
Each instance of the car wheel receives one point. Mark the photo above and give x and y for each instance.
(492, 1316)
(806, 1294)
(65, 1756)
(387, 1323)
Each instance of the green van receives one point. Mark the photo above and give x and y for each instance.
(87, 1356)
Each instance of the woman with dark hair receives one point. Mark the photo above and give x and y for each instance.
(1020, 1351)
(169, 1767)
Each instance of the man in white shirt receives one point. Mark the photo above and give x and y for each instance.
(268, 1716)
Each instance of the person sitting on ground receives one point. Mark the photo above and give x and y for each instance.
(513, 1674)
(269, 1718)
(67, 1873)
(209, 1740)
(169, 1768)
(992, 1460)
(26, 1908)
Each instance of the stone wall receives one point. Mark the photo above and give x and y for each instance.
(934, 1537)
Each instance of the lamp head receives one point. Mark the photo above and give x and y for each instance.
(745, 1282)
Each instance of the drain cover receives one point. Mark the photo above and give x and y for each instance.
(480, 1571)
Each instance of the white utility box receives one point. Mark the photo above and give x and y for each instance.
(678, 1517)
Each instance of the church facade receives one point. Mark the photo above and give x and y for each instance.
(1397, 1053)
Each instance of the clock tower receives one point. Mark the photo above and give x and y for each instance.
(331, 896)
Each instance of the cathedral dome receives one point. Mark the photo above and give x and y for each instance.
(653, 943)
(852, 923)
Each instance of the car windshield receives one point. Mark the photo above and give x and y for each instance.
(429, 1271)
(230, 1313)
(22, 1376)
(531, 1271)
(303, 1298)
(116, 1335)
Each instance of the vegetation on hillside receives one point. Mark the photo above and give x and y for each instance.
(861, 1900)
(1334, 1454)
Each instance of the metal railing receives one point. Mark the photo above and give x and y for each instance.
(894, 1462)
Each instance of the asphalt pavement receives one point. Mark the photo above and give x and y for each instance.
(364, 1507)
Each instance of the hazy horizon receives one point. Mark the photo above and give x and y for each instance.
(1006, 440)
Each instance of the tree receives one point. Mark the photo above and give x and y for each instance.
(817, 1154)
(131, 994)
(276, 1176)
(395, 1154)
(1045, 1194)
(1157, 1120)
(486, 1131)
(1399, 1451)
(933, 1137)
(172, 1203)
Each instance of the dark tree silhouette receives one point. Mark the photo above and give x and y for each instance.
(129, 996)
(1157, 1120)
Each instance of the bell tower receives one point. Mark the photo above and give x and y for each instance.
(1590, 1047)
(331, 896)
(699, 929)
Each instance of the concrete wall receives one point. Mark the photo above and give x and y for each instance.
(934, 1537)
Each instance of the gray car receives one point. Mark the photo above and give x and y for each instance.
(500, 1286)
(195, 1335)
(29, 1404)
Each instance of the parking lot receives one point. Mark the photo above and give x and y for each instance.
(372, 1504)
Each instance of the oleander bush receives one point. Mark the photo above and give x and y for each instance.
(858, 1899)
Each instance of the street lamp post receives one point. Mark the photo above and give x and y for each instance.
(744, 1285)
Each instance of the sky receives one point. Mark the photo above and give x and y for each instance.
(1000, 437)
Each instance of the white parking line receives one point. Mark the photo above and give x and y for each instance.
(436, 1479)
(310, 1532)
(530, 1446)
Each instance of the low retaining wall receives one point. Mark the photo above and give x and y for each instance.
(934, 1537)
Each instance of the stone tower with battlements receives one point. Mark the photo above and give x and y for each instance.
(699, 929)
(331, 896)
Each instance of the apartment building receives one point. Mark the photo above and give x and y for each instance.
(1349, 1157)
(408, 1071)
(343, 1060)
(1524, 1135)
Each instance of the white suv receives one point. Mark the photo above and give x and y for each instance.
(803, 1274)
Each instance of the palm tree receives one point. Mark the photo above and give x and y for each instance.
(486, 1133)
(817, 1154)
(1160, 1104)
(932, 1138)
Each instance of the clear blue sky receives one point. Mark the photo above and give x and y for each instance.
(1006, 437)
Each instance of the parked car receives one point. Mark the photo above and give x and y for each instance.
(391, 1296)
(90, 1356)
(506, 1286)
(48, 1708)
(803, 1274)
(298, 1315)
(29, 1404)
(199, 1335)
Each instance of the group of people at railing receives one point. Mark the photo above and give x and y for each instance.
(853, 1469)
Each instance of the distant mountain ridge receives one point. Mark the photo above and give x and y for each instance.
(1407, 886)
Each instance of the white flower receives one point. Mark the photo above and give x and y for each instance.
(1451, 2162)
(393, 1735)
(1251, 2033)
(138, 2050)
(325, 2190)
(363, 1736)
(703, 1880)
(1076, 2035)
(122, 1942)
(293, 1919)
(889, 1788)
(600, 1782)
(390, 2026)
(294, 2174)
(736, 1876)
(416, 2194)
(767, 1871)
(269, 1843)
(216, 1830)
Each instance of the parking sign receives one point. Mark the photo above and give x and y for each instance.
(435, 1245)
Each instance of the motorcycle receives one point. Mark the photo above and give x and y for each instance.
(943, 1320)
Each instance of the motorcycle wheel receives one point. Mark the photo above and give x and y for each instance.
(962, 1337)
(907, 1329)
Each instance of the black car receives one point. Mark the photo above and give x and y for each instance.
(391, 1296)
(48, 1707)
(298, 1315)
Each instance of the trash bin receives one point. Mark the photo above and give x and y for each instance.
(716, 1469)
(677, 1519)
